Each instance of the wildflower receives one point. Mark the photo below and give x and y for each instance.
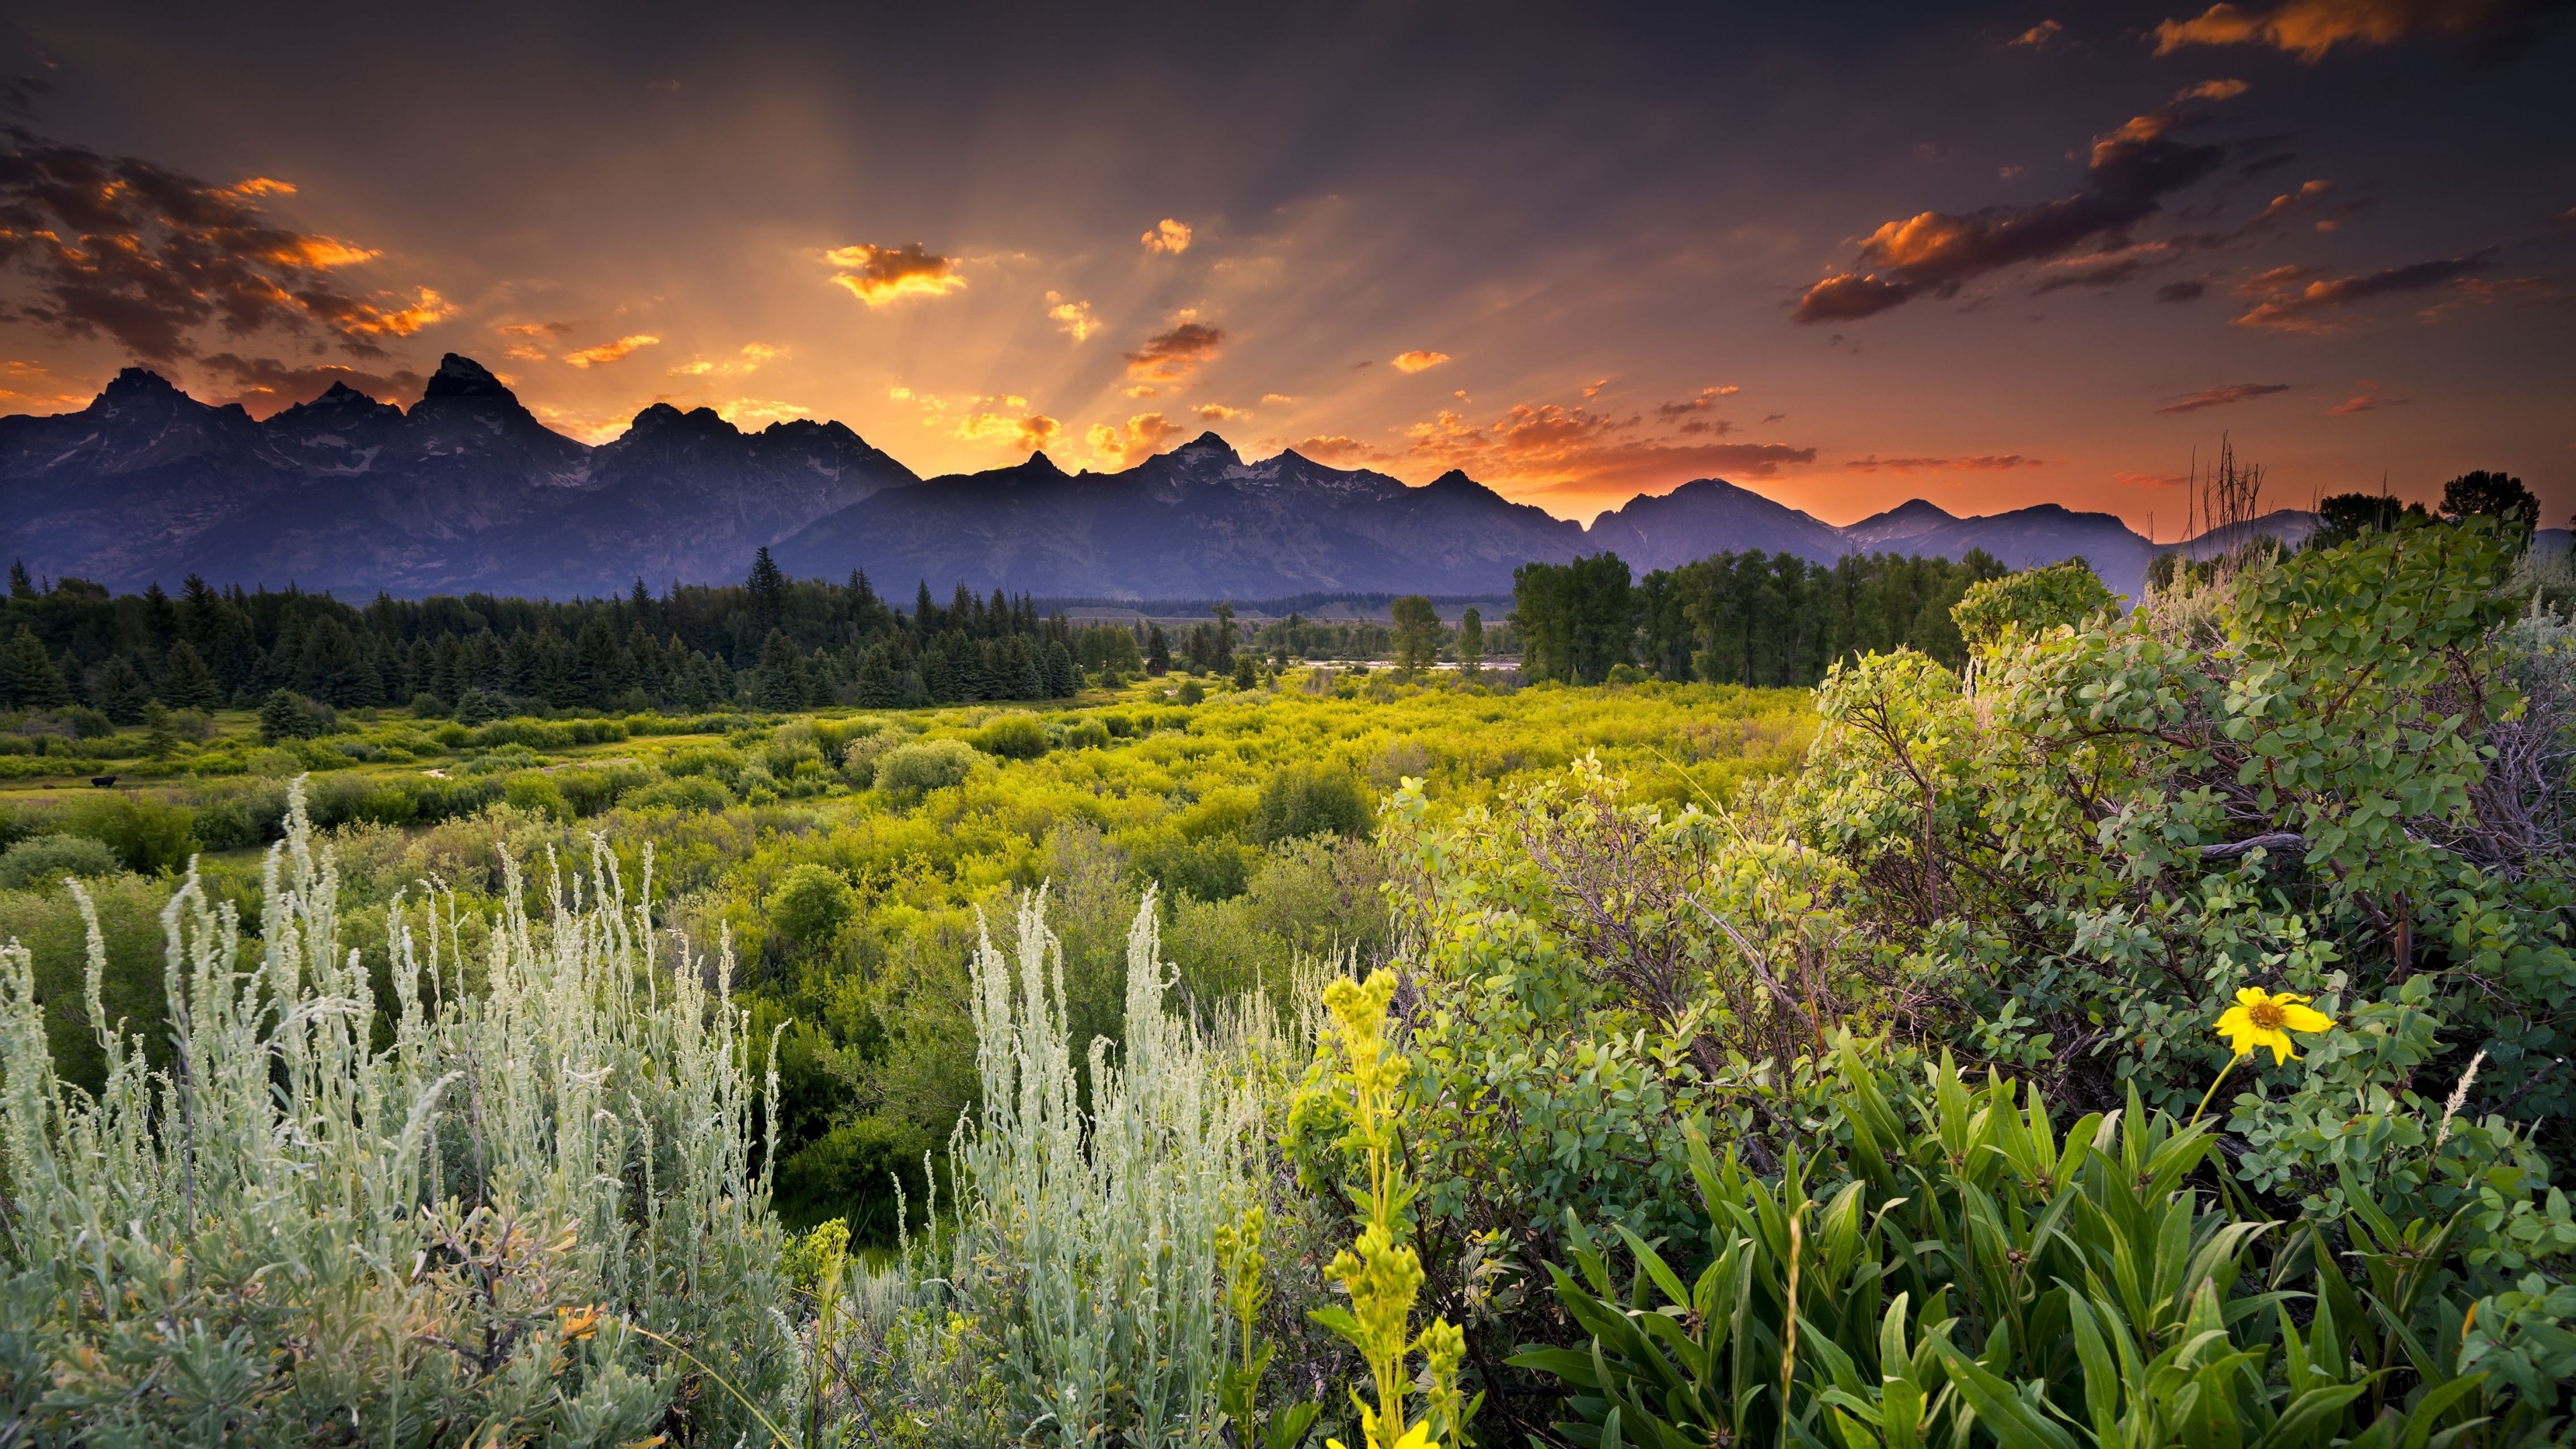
(2260, 1019)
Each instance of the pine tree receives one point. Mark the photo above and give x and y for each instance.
(768, 589)
(782, 680)
(1471, 642)
(158, 738)
(28, 678)
(118, 690)
(879, 686)
(1158, 651)
(20, 586)
(186, 682)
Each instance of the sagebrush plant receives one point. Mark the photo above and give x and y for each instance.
(1087, 1240)
(477, 1217)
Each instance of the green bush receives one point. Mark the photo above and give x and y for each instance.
(43, 861)
(1211, 868)
(689, 792)
(1013, 735)
(538, 793)
(810, 906)
(286, 715)
(1307, 800)
(239, 817)
(2030, 602)
(1952, 1258)
(923, 766)
(148, 834)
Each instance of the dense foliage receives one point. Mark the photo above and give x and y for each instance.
(1402, 1059)
(1749, 618)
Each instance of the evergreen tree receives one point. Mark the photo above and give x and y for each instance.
(1063, 680)
(331, 666)
(158, 738)
(878, 685)
(20, 586)
(1158, 651)
(1221, 658)
(286, 715)
(186, 682)
(781, 681)
(118, 690)
(28, 678)
(767, 587)
(160, 616)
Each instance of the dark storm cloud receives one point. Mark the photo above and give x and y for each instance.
(1935, 252)
(120, 247)
(2184, 291)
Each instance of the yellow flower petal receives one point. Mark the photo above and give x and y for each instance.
(2251, 996)
(2303, 1018)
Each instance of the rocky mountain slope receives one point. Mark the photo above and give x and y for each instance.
(466, 490)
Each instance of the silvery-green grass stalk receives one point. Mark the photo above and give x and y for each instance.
(308, 1228)
(1092, 1239)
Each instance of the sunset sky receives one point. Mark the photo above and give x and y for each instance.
(1989, 256)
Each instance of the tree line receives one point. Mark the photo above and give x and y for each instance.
(769, 642)
(1750, 618)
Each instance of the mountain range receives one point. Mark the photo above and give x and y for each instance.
(467, 491)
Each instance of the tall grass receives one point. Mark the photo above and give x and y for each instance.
(325, 1224)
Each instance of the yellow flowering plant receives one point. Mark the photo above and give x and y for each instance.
(2262, 1019)
(1381, 1272)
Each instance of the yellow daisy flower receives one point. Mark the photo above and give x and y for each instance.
(2261, 1019)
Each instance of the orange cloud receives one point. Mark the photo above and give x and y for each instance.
(1169, 237)
(1143, 436)
(2214, 90)
(1338, 451)
(1419, 359)
(2038, 36)
(2368, 398)
(1169, 357)
(749, 359)
(878, 275)
(120, 247)
(2283, 304)
(742, 412)
(1575, 454)
(2221, 396)
(1074, 317)
(533, 329)
(1699, 402)
(1933, 253)
(1220, 413)
(2310, 28)
(1976, 463)
(1280, 398)
(608, 352)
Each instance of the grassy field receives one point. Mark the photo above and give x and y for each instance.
(842, 856)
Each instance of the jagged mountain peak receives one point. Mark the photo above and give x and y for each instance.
(662, 418)
(461, 376)
(138, 382)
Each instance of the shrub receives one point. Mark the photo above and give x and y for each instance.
(1087, 734)
(472, 1233)
(240, 817)
(538, 793)
(1090, 1237)
(1191, 692)
(147, 834)
(2031, 602)
(692, 792)
(810, 906)
(1211, 868)
(1307, 800)
(1013, 735)
(44, 861)
(286, 715)
(923, 766)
